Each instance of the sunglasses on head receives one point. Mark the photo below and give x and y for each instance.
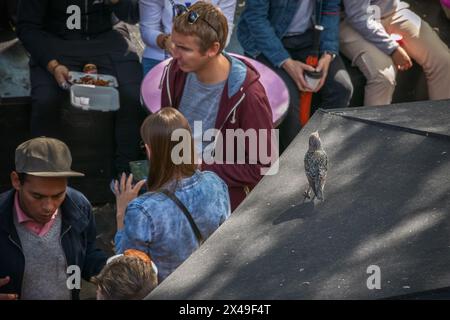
(192, 17)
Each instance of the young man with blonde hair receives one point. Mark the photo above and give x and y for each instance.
(221, 91)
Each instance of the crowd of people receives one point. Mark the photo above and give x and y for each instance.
(47, 226)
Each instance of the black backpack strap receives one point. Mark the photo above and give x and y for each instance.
(183, 208)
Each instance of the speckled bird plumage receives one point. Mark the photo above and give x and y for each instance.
(316, 167)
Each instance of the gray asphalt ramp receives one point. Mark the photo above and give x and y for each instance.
(387, 204)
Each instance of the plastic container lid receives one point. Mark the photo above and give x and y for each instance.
(97, 98)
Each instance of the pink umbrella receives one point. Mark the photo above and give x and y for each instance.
(276, 90)
(446, 7)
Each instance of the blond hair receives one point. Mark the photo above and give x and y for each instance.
(126, 278)
(211, 26)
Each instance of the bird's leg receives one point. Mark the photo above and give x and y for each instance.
(307, 193)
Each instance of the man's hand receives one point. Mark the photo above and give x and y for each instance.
(164, 41)
(6, 296)
(125, 192)
(401, 59)
(323, 66)
(295, 69)
(168, 45)
(59, 72)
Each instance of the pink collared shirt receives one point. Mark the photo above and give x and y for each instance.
(31, 225)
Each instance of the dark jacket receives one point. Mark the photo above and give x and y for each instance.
(265, 22)
(77, 238)
(243, 105)
(40, 22)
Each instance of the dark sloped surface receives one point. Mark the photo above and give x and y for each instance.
(423, 117)
(387, 203)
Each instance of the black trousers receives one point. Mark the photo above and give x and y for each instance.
(111, 58)
(335, 93)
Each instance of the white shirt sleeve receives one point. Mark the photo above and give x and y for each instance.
(156, 18)
(150, 21)
(228, 8)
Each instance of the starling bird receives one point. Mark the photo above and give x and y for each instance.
(316, 167)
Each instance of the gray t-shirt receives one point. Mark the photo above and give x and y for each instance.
(200, 102)
(302, 19)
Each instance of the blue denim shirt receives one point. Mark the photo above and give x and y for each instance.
(265, 22)
(156, 225)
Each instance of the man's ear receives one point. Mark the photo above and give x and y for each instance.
(213, 50)
(15, 181)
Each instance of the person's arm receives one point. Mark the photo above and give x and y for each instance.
(136, 232)
(150, 24)
(228, 8)
(359, 15)
(30, 30)
(125, 10)
(329, 38)
(125, 192)
(257, 18)
(7, 296)
(363, 19)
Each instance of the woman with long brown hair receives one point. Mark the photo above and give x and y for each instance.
(183, 206)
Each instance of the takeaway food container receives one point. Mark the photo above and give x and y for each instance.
(88, 97)
(94, 97)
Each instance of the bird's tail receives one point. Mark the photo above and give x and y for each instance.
(319, 194)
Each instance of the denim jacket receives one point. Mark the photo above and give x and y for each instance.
(156, 225)
(265, 22)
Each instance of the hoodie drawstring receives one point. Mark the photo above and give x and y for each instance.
(233, 119)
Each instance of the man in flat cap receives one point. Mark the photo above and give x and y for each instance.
(47, 229)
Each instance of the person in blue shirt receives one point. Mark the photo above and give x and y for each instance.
(154, 223)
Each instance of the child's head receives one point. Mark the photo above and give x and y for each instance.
(131, 276)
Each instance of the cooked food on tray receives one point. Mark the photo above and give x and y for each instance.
(92, 80)
(90, 68)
